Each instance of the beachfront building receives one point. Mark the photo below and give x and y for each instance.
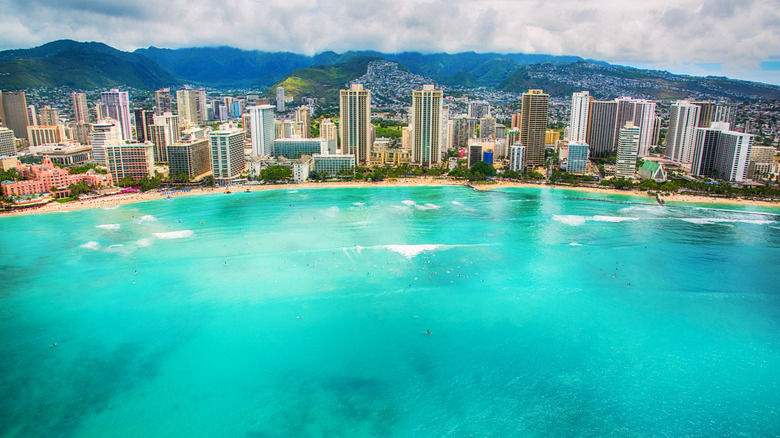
(475, 154)
(533, 126)
(104, 133)
(577, 161)
(641, 113)
(190, 156)
(227, 154)
(578, 121)
(721, 153)
(41, 178)
(297, 147)
(628, 146)
(683, 121)
(117, 106)
(355, 128)
(761, 159)
(426, 126)
(652, 170)
(383, 154)
(134, 160)
(601, 128)
(517, 157)
(333, 164)
(262, 130)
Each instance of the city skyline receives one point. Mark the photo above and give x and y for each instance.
(665, 35)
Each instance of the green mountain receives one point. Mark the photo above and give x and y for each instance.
(322, 81)
(226, 67)
(81, 66)
(607, 81)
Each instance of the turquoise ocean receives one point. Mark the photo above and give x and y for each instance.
(304, 313)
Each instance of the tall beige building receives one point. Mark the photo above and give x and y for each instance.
(303, 116)
(187, 106)
(13, 112)
(162, 99)
(48, 116)
(533, 126)
(329, 130)
(80, 111)
(355, 127)
(426, 126)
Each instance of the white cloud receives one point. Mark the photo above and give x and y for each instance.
(739, 35)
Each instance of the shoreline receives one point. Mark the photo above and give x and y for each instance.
(131, 198)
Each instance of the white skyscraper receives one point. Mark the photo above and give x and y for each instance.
(642, 114)
(628, 145)
(279, 99)
(104, 133)
(117, 107)
(683, 121)
(578, 121)
(262, 130)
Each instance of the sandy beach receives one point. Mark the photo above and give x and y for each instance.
(129, 198)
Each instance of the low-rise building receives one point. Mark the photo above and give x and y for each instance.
(652, 170)
(332, 164)
(297, 147)
(41, 178)
(134, 160)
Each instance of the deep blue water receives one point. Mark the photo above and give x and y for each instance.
(304, 312)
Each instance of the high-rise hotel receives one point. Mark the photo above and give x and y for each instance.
(355, 127)
(426, 126)
(533, 126)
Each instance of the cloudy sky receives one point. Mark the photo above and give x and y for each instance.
(735, 38)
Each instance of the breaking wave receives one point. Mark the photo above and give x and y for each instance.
(174, 234)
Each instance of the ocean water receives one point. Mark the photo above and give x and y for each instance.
(304, 313)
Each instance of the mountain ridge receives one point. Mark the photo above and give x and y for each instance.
(86, 65)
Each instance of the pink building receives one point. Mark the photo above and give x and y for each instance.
(41, 177)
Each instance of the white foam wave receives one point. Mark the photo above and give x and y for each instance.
(575, 244)
(409, 251)
(613, 218)
(428, 206)
(144, 242)
(112, 227)
(570, 219)
(359, 204)
(293, 191)
(91, 245)
(147, 218)
(113, 207)
(331, 212)
(576, 220)
(717, 220)
(174, 234)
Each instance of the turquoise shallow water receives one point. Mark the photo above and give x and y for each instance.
(303, 313)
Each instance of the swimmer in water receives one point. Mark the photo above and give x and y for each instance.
(427, 332)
